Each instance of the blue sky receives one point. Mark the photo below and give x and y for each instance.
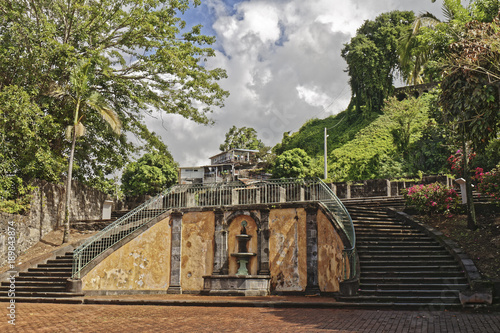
(283, 63)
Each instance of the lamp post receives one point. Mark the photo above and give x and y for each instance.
(326, 171)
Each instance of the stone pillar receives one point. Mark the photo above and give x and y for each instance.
(348, 191)
(388, 184)
(334, 188)
(263, 243)
(220, 256)
(302, 194)
(235, 200)
(190, 199)
(282, 192)
(312, 250)
(175, 253)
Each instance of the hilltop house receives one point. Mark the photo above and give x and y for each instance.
(225, 166)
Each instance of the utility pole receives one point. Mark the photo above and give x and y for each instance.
(326, 172)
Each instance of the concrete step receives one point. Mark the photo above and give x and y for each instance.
(413, 286)
(411, 268)
(45, 274)
(422, 273)
(402, 299)
(28, 294)
(412, 280)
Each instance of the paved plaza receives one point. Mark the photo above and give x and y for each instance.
(47, 317)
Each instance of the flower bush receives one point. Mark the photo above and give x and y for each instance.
(455, 162)
(488, 182)
(432, 198)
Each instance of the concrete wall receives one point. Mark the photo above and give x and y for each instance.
(141, 264)
(287, 249)
(279, 237)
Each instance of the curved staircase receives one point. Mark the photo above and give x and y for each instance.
(400, 265)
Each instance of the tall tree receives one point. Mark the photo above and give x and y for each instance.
(242, 138)
(372, 60)
(149, 175)
(145, 59)
(82, 96)
(471, 93)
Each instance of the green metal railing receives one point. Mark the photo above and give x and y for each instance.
(220, 194)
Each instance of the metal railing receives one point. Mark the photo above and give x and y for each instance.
(272, 191)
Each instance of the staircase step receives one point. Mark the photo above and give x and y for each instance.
(412, 274)
(413, 286)
(45, 274)
(407, 248)
(29, 294)
(413, 268)
(401, 299)
(412, 280)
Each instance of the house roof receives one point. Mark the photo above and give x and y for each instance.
(236, 149)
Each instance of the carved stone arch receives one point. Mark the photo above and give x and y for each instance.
(257, 264)
(250, 213)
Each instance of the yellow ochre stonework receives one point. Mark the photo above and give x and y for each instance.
(288, 249)
(141, 264)
(235, 229)
(198, 229)
(329, 255)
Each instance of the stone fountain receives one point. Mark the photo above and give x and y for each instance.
(243, 256)
(241, 283)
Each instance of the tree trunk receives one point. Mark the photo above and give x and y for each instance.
(471, 212)
(68, 189)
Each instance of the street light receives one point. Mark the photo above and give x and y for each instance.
(326, 172)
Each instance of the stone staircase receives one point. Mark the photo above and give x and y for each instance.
(47, 280)
(400, 265)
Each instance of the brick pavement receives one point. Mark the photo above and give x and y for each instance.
(46, 317)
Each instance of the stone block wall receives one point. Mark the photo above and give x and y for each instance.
(47, 213)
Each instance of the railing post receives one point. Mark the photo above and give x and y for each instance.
(235, 197)
(282, 194)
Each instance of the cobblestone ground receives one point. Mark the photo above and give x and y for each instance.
(35, 317)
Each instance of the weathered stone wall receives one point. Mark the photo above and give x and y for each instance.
(330, 248)
(206, 239)
(47, 213)
(47, 205)
(197, 249)
(288, 249)
(25, 235)
(141, 264)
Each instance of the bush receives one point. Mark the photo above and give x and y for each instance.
(432, 198)
(489, 182)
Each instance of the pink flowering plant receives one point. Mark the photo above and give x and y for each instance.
(432, 198)
(488, 182)
(455, 161)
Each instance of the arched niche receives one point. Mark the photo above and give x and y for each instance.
(234, 229)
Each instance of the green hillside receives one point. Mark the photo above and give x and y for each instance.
(341, 128)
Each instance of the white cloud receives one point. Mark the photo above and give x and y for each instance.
(284, 67)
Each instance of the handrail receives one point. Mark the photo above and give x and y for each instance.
(271, 191)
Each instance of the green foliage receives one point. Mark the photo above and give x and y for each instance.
(149, 175)
(310, 137)
(489, 182)
(139, 61)
(241, 138)
(25, 143)
(372, 59)
(15, 195)
(373, 152)
(293, 163)
(432, 198)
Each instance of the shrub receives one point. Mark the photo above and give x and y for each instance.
(489, 182)
(432, 198)
(456, 160)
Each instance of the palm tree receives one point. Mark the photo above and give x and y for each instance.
(414, 55)
(83, 96)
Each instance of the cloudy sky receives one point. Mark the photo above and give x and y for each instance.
(283, 63)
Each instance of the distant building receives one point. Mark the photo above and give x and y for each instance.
(224, 167)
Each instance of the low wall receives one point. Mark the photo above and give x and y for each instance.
(382, 187)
